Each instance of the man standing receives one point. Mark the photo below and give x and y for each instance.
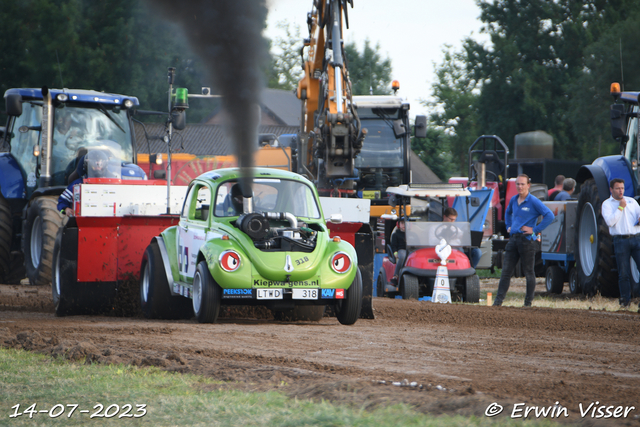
(621, 215)
(568, 187)
(558, 188)
(521, 217)
(398, 245)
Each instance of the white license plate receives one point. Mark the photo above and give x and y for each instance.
(269, 293)
(305, 294)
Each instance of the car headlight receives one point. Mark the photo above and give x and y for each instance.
(229, 260)
(340, 262)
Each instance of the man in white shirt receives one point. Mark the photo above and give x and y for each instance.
(622, 215)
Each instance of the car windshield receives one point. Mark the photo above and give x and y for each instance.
(269, 195)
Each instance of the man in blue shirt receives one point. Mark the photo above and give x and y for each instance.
(521, 217)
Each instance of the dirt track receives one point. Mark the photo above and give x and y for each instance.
(462, 358)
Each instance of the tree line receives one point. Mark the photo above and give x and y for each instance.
(548, 66)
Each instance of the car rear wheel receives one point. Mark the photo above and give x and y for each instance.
(348, 310)
(206, 295)
(410, 288)
(472, 289)
(156, 300)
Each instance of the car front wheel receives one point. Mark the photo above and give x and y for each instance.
(206, 295)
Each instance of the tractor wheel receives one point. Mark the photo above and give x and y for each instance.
(156, 300)
(206, 294)
(70, 296)
(64, 278)
(555, 279)
(309, 313)
(574, 284)
(6, 231)
(593, 245)
(40, 229)
(382, 282)
(410, 288)
(472, 289)
(348, 309)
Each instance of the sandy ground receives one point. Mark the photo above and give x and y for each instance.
(453, 359)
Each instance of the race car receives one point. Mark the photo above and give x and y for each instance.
(272, 248)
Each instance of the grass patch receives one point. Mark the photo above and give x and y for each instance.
(178, 399)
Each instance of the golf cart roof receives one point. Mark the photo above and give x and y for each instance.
(429, 190)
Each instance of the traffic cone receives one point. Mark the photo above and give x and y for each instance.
(441, 290)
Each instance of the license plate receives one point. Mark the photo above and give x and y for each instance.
(269, 293)
(305, 294)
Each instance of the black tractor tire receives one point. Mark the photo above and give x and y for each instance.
(381, 283)
(156, 300)
(6, 233)
(574, 283)
(348, 309)
(472, 289)
(70, 296)
(308, 313)
(39, 236)
(206, 294)
(595, 260)
(410, 288)
(554, 279)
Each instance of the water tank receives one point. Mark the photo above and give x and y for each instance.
(534, 145)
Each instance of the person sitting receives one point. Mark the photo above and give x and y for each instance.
(95, 166)
(451, 215)
(398, 243)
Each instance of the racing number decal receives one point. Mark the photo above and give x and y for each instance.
(301, 261)
(183, 258)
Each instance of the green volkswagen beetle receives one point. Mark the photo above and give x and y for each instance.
(270, 249)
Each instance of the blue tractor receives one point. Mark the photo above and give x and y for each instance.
(595, 258)
(46, 134)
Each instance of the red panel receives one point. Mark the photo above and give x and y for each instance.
(427, 259)
(346, 231)
(111, 247)
(97, 253)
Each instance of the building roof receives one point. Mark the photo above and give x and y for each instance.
(197, 139)
(278, 107)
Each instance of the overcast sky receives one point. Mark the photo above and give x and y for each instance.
(412, 33)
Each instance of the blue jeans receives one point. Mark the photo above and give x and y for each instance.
(519, 247)
(474, 256)
(625, 248)
(402, 254)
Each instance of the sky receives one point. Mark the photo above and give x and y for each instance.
(412, 33)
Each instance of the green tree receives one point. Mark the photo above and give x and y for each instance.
(285, 67)
(455, 94)
(529, 72)
(368, 71)
(118, 46)
(434, 152)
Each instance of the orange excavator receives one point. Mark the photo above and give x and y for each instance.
(331, 135)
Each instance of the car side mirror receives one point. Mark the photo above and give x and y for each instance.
(398, 128)
(335, 218)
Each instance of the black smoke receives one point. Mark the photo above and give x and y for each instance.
(227, 35)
